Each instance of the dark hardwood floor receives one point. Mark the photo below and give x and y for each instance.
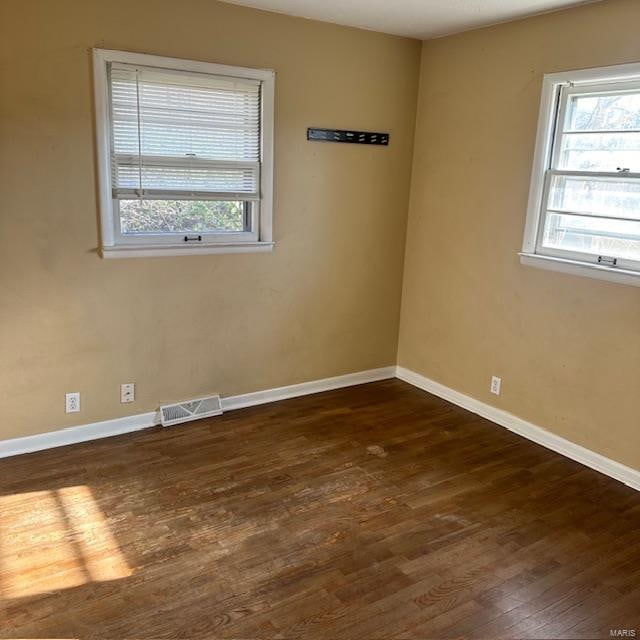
(377, 511)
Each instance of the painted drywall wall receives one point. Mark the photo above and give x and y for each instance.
(324, 303)
(567, 347)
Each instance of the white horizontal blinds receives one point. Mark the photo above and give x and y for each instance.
(593, 185)
(181, 135)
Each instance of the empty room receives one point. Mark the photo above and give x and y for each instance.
(321, 319)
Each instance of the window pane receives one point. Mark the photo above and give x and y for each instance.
(616, 198)
(180, 216)
(598, 236)
(600, 151)
(595, 113)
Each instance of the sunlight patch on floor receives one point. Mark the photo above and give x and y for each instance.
(54, 540)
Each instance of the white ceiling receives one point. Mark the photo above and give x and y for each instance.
(414, 18)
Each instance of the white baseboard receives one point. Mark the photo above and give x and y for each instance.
(81, 433)
(627, 475)
(307, 388)
(117, 426)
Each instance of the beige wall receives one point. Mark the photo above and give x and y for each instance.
(566, 347)
(325, 303)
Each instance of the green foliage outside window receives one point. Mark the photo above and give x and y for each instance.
(181, 216)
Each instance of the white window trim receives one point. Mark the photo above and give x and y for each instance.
(109, 248)
(529, 256)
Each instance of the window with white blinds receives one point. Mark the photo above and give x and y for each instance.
(585, 199)
(184, 135)
(189, 151)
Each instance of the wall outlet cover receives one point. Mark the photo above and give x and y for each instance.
(127, 392)
(72, 402)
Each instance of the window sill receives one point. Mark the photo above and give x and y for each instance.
(574, 267)
(155, 250)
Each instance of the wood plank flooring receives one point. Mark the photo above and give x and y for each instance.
(377, 511)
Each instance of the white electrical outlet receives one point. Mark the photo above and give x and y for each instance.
(72, 402)
(496, 385)
(127, 392)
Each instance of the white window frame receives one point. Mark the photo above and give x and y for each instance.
(113, 244)
(556, 88)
